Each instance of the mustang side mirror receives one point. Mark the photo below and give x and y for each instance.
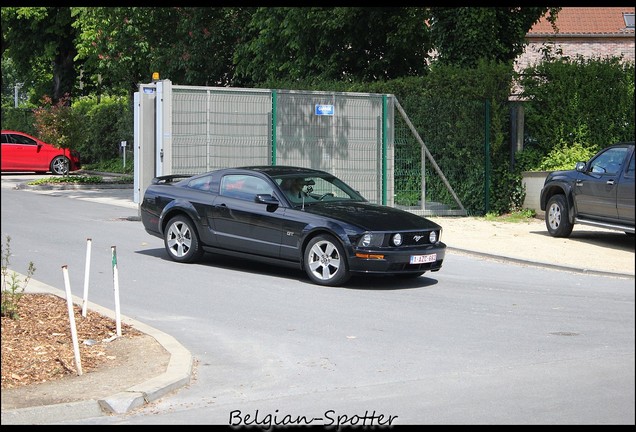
(266, 199)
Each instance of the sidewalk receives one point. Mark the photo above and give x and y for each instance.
(588, 249)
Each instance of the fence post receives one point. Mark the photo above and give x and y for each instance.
(487, 156)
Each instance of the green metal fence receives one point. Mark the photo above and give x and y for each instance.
(454, 179)
(431, 161)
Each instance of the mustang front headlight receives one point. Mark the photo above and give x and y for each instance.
(432, 237)
(397, 239)
(370, 239)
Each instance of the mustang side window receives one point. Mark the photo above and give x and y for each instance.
(201, 183)
(231, 185)
(244, 187)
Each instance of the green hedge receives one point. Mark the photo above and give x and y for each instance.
(575, 108)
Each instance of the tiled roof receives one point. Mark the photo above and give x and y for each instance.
(585, 21)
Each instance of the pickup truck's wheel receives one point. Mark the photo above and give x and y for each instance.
(556, 217)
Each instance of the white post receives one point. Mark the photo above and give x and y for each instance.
(123, 149)
(116, 288)
(71, 317)
(86, 273)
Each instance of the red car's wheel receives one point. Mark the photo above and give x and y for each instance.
(60, 165)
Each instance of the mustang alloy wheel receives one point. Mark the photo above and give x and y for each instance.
(325, 262)
(181, 240)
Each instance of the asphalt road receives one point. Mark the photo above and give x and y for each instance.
(480, 342)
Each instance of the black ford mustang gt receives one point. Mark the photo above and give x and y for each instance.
(291, 216)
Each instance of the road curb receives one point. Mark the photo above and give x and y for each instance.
(71, 186)
(540, 264)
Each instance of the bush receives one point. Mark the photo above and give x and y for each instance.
(19, 119)
(565, 158)
(109, 120)
(586, 102)
(12, 287)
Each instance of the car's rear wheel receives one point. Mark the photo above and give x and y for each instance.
(325, 261)
(557, 219)
(181, 240)
(60, 165)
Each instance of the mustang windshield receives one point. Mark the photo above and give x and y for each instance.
(311, 189)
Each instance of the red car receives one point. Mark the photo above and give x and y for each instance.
(23, 152)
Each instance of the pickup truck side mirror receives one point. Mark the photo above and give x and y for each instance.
(580, 166)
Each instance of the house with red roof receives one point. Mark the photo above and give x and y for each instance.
(592, 32)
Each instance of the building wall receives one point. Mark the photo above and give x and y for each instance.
(598, 48)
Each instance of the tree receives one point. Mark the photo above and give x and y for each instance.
(342, 43)
(117, 43)
(206, 41)
(190, 46)
(464, 35)
(57, 123)
(41, 43)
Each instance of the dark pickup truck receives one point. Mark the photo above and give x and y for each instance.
(599, 192)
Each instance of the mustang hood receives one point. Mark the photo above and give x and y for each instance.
(370, 216)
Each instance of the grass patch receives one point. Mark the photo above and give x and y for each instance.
(111, 166)
(82, 179)
(515, 217)
(72, 179)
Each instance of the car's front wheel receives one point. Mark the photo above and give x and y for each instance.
(181, 240)
(557, 219)
(325, 261)
(60, 165)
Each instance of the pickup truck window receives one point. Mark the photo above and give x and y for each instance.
(609, 162)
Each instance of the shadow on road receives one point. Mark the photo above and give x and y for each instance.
(610, 239)
(359, 282)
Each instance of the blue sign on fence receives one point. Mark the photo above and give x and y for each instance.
(324, 109)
